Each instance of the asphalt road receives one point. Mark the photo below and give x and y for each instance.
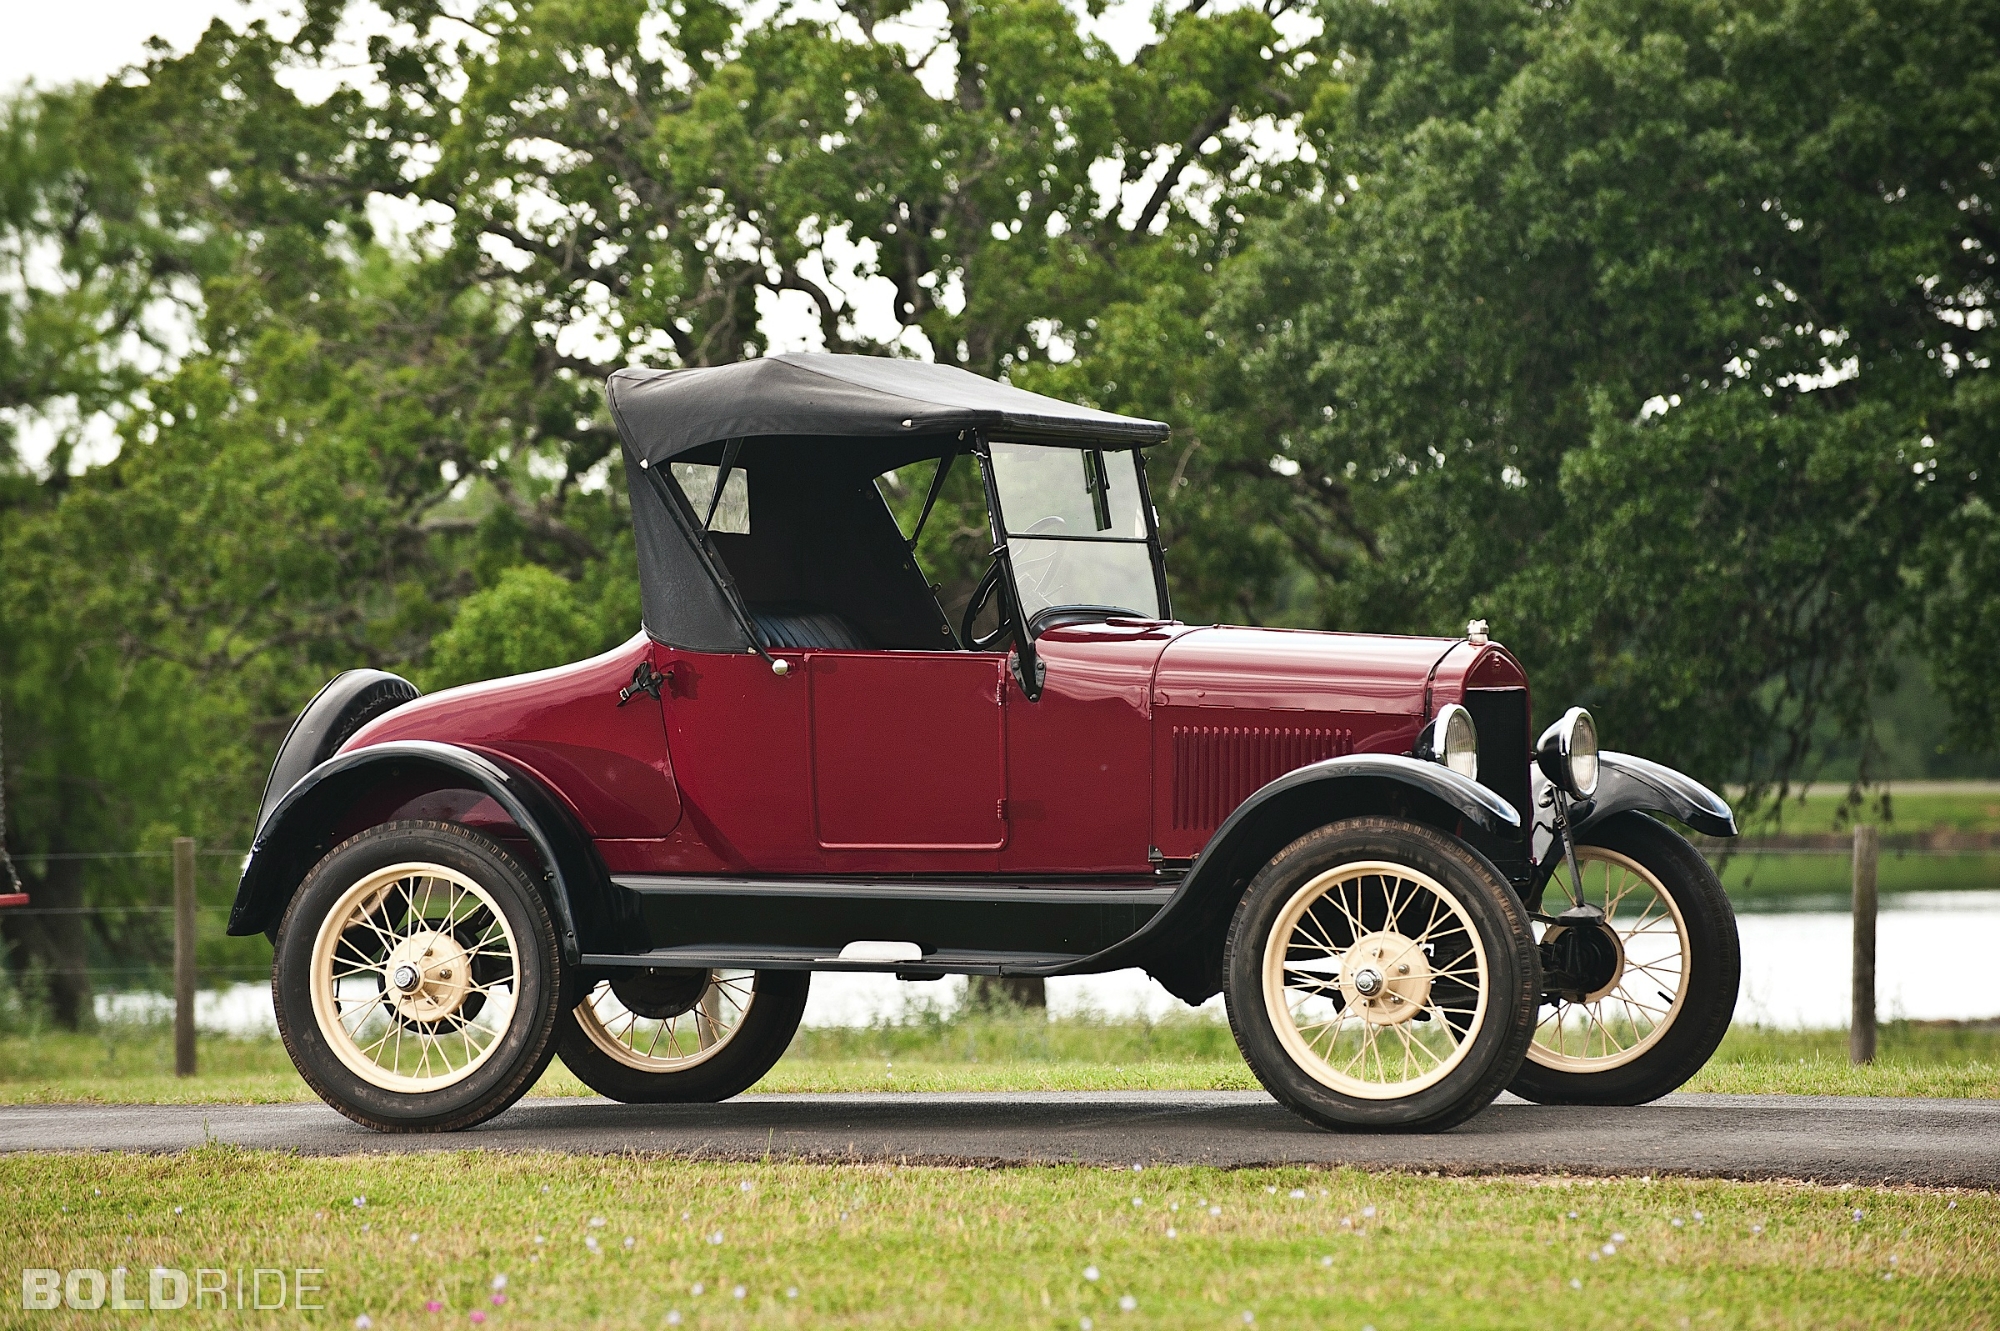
(1826, 1138)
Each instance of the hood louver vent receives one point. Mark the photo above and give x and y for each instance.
(1216, 768)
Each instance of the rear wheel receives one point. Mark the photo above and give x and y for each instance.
(669, 1036)
(1381, 975)
(1634, 1006)
(417, 978)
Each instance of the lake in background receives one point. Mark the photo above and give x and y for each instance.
(1934, 955)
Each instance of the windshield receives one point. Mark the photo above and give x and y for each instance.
(1076, 528)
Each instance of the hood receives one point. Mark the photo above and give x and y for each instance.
(1292, 670)
(1236, 708)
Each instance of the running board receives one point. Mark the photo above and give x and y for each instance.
(983, 925)
(933, 965)
(1045, 892)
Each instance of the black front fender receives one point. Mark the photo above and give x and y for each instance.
(314, 813)
(1626, 783)
(1278, 814)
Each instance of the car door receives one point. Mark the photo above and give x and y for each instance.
(908, 754)
(1079, 765)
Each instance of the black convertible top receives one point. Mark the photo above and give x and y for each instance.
(813, 431)
(664, 414)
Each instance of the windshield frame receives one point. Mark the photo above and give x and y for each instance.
(1028, 668)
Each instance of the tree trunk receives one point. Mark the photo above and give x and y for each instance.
(990, 993)
(54, 949)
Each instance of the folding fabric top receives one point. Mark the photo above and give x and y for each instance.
(663, 414)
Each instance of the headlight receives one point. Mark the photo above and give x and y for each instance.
(1567, 753)
(1453, 740)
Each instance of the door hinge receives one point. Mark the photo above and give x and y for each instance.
(1000, 810)
(645, 679)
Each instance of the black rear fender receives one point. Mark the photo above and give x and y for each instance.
(1182, 945)
(422, 779)
(350, 700)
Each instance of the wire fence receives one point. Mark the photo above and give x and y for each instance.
(32, 857)
(108, 930)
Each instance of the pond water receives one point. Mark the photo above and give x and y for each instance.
(1933, 962)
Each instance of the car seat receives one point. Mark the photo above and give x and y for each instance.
(791, 624)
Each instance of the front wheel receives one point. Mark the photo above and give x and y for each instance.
(1634, 1006)
(668, 1036)
(1381, 975)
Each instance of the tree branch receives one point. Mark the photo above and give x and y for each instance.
(1202, 133)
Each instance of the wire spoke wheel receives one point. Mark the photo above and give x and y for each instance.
(1634, 999)
(667, 1021)
(1376, 979)
(415, 973)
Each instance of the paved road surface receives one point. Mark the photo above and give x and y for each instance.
(1828, 1138)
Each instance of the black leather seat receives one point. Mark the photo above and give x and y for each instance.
(789, 624)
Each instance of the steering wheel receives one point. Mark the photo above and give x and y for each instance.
(989, 584)
(1040, 576)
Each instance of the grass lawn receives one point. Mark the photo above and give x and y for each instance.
(1973, 809)
(1825, 881)
(134, 1063)
(1817, 881)
(651, 1243)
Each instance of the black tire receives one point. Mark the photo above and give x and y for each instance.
(512, 1062)
(1714, 972)
(1485, 1061)
(757, 1042)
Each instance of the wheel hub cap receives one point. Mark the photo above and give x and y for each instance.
(429, 976)
(1388, 978)
(1586, 962)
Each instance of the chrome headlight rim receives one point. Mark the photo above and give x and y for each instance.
(1452, 740)
(1567, 753)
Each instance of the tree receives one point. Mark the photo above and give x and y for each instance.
(325, 445)
(1658, 335)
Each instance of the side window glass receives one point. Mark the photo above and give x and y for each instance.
(697, 482)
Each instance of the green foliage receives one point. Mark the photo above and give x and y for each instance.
(529, 620)
(1658, 335)
(285, 446)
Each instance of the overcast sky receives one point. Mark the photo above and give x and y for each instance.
(67, 40)
(59, 41)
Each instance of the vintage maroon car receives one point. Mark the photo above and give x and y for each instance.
(802, 764)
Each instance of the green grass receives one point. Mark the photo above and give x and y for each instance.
(1005, 1052)
(1822, 811)
(868, 1246)
(1825, 881)
(1911, 1059)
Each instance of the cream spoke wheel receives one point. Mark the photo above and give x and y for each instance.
(1634, 998)
(414, 976)
(1376, 980)
(666, 1021)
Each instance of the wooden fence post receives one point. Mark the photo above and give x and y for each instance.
(183, 956)
(1861, 1029)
